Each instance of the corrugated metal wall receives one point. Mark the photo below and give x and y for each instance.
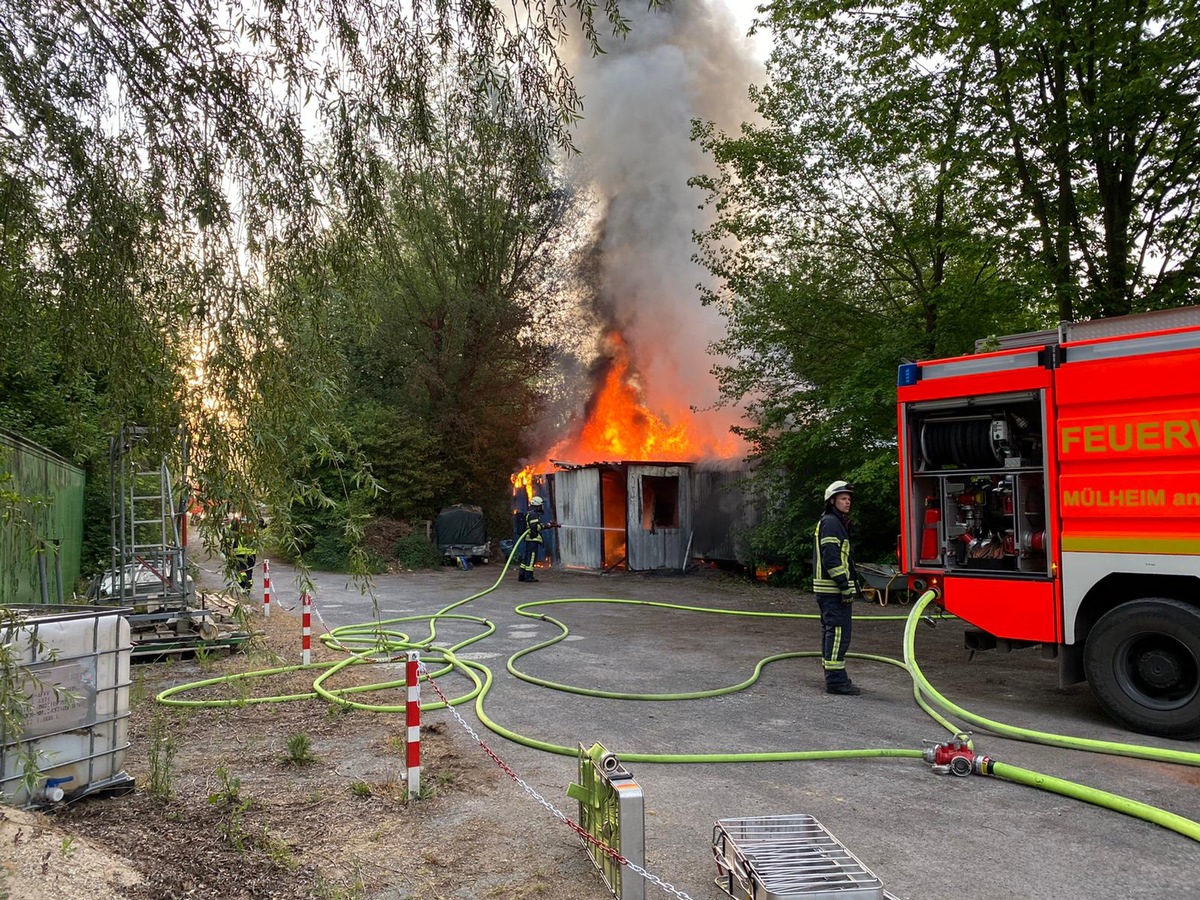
(580, 540)
(41, 511)
(722, 515)
(673, 514)
(660, 517)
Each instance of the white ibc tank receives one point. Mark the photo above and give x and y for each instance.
(72, 665)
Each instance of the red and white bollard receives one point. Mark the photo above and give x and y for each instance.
(413, 720)
(266, 588)
(306, 630)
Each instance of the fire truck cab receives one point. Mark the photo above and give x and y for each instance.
(1050, 490)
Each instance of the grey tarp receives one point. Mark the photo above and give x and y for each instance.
(459, 530)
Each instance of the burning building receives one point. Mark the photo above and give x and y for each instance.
(643, 516)
(628, 508)
(634, 478)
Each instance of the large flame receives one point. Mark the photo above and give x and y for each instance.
(524, 479)
(620, 426)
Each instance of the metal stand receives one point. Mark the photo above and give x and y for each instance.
(149, 496)
(149, 559)
(612, 810)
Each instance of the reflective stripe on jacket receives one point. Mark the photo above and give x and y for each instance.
(833, 564)
(533, 524)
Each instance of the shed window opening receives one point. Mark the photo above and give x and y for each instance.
(660, 502)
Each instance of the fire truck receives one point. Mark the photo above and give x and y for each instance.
(1050, 491)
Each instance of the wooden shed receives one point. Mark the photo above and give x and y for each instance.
(636, 515)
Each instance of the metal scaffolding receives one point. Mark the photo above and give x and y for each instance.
(149, 500)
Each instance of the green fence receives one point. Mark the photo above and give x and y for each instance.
(41, 523)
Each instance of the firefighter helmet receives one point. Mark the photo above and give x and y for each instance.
(536, 501)
(838, 487)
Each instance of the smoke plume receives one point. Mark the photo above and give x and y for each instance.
(685, 61)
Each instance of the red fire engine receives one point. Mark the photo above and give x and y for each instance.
(1050, 489)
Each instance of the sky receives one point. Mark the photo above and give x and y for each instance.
(743, 14)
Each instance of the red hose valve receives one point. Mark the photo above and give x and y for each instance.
(953, 757)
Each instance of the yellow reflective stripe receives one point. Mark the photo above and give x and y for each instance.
(1167, 545)
(837, 642)
(833, 665)
(829, 540)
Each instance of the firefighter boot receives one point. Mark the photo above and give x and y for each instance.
(846, 688)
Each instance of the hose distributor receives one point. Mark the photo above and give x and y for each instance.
(956, 757)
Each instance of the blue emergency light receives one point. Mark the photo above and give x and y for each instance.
(909, 373)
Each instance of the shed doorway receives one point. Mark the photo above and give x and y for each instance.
(614, 495)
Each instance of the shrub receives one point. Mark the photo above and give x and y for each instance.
(415, 552)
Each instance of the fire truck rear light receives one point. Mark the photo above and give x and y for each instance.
(908, 373)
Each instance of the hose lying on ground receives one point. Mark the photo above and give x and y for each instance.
(378, 641)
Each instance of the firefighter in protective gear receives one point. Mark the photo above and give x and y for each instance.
(533, 540)
(836, 584)
(241, 547)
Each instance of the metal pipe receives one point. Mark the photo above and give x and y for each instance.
(42, 577)
(58, 568)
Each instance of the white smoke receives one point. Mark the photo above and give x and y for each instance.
(679, 63)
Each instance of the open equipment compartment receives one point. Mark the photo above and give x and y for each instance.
(978, 476)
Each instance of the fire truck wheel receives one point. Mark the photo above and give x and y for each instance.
(1143, 664)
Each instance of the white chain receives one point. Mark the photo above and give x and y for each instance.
(550, 807)
(654, 879)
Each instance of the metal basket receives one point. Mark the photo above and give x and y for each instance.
(788, 858)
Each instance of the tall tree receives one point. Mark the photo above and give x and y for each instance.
(926, 174)
(846, 238)
(160, 180)
(456, 272)
(1082, 114)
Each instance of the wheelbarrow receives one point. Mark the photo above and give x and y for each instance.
(884, 582)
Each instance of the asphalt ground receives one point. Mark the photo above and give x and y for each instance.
(923, 834)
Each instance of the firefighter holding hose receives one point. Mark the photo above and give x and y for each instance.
(836, 584)
(240, 545)
(533, 539)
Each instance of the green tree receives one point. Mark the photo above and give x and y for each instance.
(924, 175)
(841, 246)
(163, 202)
(1082, 116)
(456, 273)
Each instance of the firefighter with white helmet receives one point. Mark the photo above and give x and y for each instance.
(836, 584)
(533, 539)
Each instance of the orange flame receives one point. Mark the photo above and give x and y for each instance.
(621, 427)
(524, 479)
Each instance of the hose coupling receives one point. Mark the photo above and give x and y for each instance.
(983, 765)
